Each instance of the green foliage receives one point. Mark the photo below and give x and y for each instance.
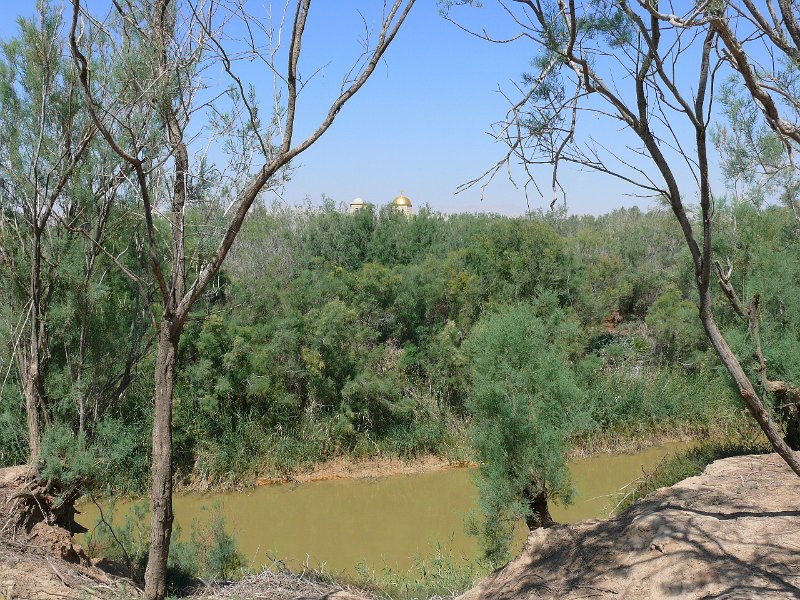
(675, 327)
(13, 428)
(215, 552)
(351, 339)
(637, 402)
(126, 543)
(299, 355)
(92, 331)
(525, 405)
(67, 459)
(439, 574)
(754, 159)
(112, 460)
(209, 553)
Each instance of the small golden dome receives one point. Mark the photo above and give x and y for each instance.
(401, 201)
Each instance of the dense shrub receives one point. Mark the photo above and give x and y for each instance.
(525, 405)
(332, 333)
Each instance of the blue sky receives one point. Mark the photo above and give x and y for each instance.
(419, 125)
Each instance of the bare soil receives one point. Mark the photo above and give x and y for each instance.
(344, 467)
(37, 557)
(731, 532)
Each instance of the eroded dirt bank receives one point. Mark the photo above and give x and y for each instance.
(344, 467)
(732, 532)
(37, 557)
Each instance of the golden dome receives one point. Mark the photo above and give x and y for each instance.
(401, 201)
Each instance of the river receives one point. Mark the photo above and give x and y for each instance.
(384, 521)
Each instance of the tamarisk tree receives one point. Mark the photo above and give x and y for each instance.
(56, 182)
(201, 153)
(45, 140)
(652, 76)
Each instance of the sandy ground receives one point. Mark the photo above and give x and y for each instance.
(347, 468)
(733, 532)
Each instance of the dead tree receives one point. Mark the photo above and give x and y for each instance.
(167, 47)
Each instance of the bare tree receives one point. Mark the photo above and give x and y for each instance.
(653, 73)
(167, 48)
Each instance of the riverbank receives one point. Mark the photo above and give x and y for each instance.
(344, 467)
(347, 467)
(729, 531)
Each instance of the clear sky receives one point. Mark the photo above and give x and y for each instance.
(419, 125)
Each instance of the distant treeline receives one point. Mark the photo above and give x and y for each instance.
(329, 333)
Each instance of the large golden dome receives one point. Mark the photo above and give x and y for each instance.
(401, 201)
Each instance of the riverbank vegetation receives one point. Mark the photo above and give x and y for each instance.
(329, 334)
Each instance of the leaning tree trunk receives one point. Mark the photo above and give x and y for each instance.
(746, 389)
(161, 493)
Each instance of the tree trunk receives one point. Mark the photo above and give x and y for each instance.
(82, 356)
(161, 494)
(746, 389)
(32, 387)
(32, 400)
(540, 515)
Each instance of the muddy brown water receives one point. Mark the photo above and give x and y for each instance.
(384, 521)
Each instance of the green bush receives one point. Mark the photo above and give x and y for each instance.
(126, 543)
(676, 328)
(110, 460)
(67, 458)
(438, 574)
(525, 405)
(214, 548)
(209, 553)
(13, 428)
(648, 399)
